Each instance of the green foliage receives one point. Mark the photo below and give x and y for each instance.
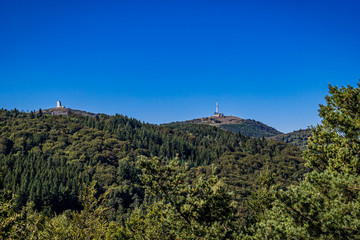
(57, 227)
(326, 204)
(89, 223)
(323, 206)
(335, 144)
(242, 171)
(183, 209)
(262, 199)
(19, 224)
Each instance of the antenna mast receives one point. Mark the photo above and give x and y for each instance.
(217, 106)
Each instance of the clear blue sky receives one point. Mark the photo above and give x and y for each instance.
(163, 61)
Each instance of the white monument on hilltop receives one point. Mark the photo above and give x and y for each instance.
(59, 105)
(217, 113)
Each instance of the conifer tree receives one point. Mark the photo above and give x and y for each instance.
(326, 204)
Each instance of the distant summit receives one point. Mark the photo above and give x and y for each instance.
(215, 120)
(234, 124)
(62, 110)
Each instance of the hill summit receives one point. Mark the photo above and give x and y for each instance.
(215, 120)
(62, 110)
(234, 124)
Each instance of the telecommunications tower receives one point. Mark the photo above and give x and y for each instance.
(217, 113)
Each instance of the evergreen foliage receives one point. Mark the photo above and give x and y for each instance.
(241, 172)
(19, 224)
(183, 209)
(89, 223)
(326, 204)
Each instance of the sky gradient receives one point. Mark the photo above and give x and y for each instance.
(164, 61)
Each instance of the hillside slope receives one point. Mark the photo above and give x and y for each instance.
(298, 138)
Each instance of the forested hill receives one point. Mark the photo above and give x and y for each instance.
(45, 159)
(234, 124)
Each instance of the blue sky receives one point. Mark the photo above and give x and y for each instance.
(163, 61)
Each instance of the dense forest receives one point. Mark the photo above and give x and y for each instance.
(46, 159)
(113, 177)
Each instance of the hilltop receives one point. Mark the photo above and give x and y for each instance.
(213, 120)
(68, 111)
(247, 127)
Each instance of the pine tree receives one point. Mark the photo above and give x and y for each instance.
(326, 204)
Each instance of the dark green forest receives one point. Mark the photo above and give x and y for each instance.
(46, 159)
(113, 177)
